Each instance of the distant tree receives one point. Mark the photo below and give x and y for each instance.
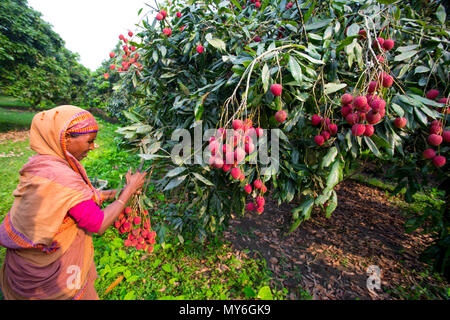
(34, 63)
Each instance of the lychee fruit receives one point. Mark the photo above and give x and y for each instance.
(333, 128)
(346, 98)
(236, 173)
(434, 139)
(200, 49)
(446, 136)
(388, 44)
(280, 116)
(260, 201)
(360, 102)
(400, 122)
(428, 153)
(259, 132)
(237, 124)
(370, 129)
(439, 161)
(432, 94)
(358, 129)
(319, 140)
(326, 135)
(276, 89)
(316, 119)
(387, 81)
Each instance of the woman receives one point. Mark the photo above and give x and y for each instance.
(48, 230)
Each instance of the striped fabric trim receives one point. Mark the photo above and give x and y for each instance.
(19, 241)
(83, 122)
(67, 223)
(80, 294)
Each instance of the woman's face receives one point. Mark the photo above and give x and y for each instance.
(80, 146)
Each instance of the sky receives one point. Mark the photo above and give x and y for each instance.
(91, 28)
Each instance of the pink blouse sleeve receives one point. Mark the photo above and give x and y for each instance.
(87, 215)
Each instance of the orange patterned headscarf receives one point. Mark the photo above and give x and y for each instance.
(49, 129)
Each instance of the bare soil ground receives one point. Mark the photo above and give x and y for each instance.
(14, 136)
(329, 257)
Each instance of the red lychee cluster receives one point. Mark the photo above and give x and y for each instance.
(138, 227)
(433, 95)
(436, 137)
(256, 2)
(362, 112)
(129, 59)
(258, 195)
(326, 129)
(382, 44)
(230, 147)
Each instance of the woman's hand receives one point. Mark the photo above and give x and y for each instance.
(135, 181)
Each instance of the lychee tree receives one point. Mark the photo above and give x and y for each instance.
(339, 79)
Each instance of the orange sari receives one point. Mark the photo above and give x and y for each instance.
(48, 256)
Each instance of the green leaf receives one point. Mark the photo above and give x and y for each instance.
(184, 88)
(332, 204)
(386, 1)
(167, 267)
(198, 110)
(318, 24)
(335, 173)
(203, 179)
(353, 30)
(175, 182)
(309, 12)
(237, 4)
(265, 293)
(175, 172)
(421, 69)
(249, 293)
(130, 116)
(302, 213)
(295, 69)
(311, 59)
(425, 101)
(332, 87)
(373, 147)
(218, 44)
(329, 157)
(405, 55)
(130, 295)
(422, 118)
(407, 48)
(399, 110)
(328, 32)
(441, 14)
(320, 200)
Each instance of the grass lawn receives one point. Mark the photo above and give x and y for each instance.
(13, 102)
(15, 120)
